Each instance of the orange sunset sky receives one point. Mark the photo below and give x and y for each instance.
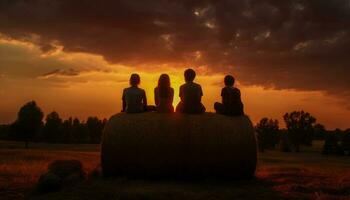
(76, 57)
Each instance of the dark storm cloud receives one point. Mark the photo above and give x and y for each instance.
(293, 44)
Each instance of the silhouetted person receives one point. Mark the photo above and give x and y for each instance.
(191, 95)
(134, 98)
(231, 99)
(164, 95)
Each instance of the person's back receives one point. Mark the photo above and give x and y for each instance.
(134, 98)
(231, 99)
(164, 104)
(164, 95)
(191, 95)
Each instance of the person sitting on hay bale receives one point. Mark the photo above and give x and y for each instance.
(164, 95)
(134, 98)
(231, 99)
(191, 95)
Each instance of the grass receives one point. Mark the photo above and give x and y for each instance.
(305, 175)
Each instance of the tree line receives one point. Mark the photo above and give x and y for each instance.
(30, 125)
(301, 129)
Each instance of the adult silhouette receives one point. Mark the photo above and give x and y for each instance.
(164, 95)
(191, 95)
(134, 98)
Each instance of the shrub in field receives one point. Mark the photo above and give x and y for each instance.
(153, 145)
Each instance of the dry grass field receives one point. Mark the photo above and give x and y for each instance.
(305, 175)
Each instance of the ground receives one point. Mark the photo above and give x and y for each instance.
(305, 175)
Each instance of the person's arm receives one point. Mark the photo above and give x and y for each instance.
(239, 94)
(223, 95)
(124, 102)
(156, 96)
(171, 95)
(181, 95)
(200, 93)
(144, 99)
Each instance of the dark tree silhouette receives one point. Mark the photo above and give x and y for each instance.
(79, 132)
(268, 133)
(5, 131)
(53, 129)
(331, 144)
(67, 130)
(345, 142)
(28, 123)
(95, 127)
(300, 127)
(319, 132)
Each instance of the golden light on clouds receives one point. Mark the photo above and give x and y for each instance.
(82, 85)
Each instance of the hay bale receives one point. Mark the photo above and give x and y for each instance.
(153, 145)
(49, 182)
(67, 169)
(61, 173)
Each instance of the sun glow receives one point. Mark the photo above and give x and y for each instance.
(82, 85)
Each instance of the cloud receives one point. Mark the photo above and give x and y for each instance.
(61, 72)
(286, 44)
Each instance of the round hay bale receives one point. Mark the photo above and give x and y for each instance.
(49, 182)
(154, 145)
(66, 168)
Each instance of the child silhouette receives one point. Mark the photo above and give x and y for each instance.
(231, 99)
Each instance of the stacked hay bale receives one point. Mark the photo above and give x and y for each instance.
(153, 145)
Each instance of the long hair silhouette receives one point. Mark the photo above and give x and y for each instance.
(164, 86)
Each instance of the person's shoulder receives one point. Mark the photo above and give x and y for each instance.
(236, 89)
(197, 85)
(225, 90)
(126, 89)
(141, 90)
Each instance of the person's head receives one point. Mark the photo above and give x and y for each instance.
(189, 74)
(164, 81)
(229, 80)
(164, 85)
(134, 80)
